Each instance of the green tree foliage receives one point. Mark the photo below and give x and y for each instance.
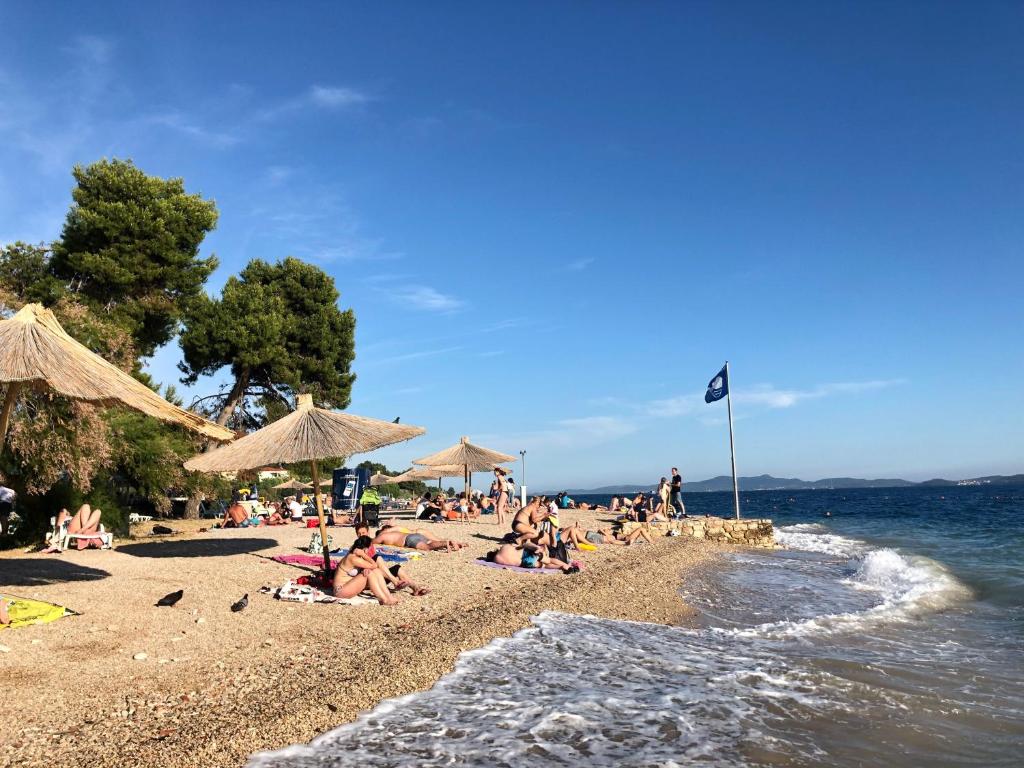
(26, 275)
(280, 331)
(130, 248)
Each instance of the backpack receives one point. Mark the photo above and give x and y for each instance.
(316, 543)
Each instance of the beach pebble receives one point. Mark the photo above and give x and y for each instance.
(200, 620)
(4, 649)
(140, 656)
(37, 641)
(163, 661)
(364, 626)
(113, 628)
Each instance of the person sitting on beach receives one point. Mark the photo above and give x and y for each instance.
(85, 521)
(357, 571)
(615, 505)
(523, 524)
(277, 517)
(394, 573)
(527, 556)
(294, 509)
(394, 536)
(237, 516)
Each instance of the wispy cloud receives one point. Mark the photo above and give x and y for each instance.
(578, 265)
(334, 97)
(418, 355)
(177, 121)
(569, 433)
(425, 298)
(767, 395)
(330, 97)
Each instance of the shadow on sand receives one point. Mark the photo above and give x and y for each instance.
(196, 547)
(38, 572)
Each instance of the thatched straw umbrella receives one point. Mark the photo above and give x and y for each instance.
(430, 473)
(471, 458)
(306, 434)
(292, 485)
(380, 479)
(36, 351)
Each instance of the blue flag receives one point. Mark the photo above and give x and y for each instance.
(718, 387)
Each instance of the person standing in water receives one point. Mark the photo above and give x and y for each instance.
(677, 493)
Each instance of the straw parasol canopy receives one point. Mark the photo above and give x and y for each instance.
(467, 457)
(430, 473)
(36, 351)
(306, 434)
(292, 485)
(380, 479)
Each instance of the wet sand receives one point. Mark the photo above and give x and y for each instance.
(216, 686)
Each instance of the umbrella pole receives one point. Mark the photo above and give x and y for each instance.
(5, 416)
(320, 514)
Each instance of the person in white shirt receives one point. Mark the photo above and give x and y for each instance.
(295, 509)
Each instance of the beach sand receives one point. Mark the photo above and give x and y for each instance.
(216, 686)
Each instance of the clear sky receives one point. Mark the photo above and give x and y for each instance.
(555, 221)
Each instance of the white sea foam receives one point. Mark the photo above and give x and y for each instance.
(816, 538)
(907, 586)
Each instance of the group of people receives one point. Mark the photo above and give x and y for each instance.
(362, 568)
(665, 504)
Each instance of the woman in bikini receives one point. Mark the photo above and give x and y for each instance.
(576, 534)
(527, 556)
(501, 500)
(358, 571)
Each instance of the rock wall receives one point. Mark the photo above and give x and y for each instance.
(750, 533)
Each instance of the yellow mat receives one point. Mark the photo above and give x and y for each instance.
(24, 612)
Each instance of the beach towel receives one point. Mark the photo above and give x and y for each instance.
(25, 612)
(294, 592)
(517, 568)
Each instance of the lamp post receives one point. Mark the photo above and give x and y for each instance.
(522, 484)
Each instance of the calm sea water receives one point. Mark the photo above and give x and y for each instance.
(889, 634)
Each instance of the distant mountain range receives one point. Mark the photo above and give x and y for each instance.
(769, 483)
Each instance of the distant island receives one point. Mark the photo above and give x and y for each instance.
(770, 483)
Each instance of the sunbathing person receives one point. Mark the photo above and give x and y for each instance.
(527, 556)
(395, 573)
(85, 521)
(358, 571)
(576, 534)
(403, 537)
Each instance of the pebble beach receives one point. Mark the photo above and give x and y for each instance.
(127, 683)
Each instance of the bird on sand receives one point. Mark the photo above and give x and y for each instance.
(171, 599)
(241, 603)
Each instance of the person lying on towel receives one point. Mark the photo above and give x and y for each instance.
(394, 536)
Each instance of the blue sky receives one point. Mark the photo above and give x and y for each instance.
(555, 221)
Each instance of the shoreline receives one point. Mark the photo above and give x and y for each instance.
(279, 673)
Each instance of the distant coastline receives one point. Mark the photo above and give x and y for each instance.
(770, 483)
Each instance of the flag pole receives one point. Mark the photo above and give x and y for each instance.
(732, 443)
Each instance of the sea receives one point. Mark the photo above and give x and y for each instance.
(888, 632)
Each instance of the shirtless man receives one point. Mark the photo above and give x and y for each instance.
(526, 521)
(403, 537)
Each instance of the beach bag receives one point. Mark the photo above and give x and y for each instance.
(316, 543)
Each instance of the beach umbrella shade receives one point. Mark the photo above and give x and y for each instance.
(36, 351)
(292, 485)
(430, 473)
(380, 479)
(471, 458)
(306, 434)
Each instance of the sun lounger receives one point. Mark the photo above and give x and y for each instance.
(135, 517)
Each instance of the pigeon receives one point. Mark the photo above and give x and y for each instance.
(171, 599)
(397, 418)
(240, 605)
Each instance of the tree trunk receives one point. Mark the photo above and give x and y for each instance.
(234, 397)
